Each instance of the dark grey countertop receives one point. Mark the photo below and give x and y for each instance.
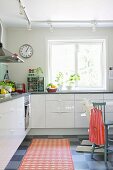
(12, 97)
(72, 92)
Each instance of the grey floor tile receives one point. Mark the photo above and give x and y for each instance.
(17, 158)
(12, 165)
(99, 165)
(96, 157)
(82, 169)
(73, 143)
(82, 161)
(26, 143)
(81, 165)
(20, 152)
(22, 147)
(78, 158)
(74, 139)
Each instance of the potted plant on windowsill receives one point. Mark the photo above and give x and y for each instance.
(39, 71)
(72, 80)
(59, 80)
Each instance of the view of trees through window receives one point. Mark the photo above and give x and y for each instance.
(86, 58)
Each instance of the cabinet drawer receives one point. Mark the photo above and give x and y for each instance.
(79, 106)
(108, 96)
(60, 97)
(38, 111)
(89, 96)
(109, 116)
(60, 120)
(109, 105)
(59, 106)
(81, 120)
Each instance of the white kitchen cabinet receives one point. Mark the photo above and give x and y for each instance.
(59, 97)
(60, 111)
(12, 115)
(81, 117)
(38, 111)
(108, 98)
(12, 128)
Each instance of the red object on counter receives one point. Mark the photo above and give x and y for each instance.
(20, 88)
(51, 90)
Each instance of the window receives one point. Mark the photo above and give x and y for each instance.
(83, 57)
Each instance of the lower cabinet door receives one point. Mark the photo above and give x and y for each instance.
(38, 111)
(60, 120)
(81, 120)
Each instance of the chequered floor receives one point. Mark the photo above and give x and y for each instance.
(82, 161)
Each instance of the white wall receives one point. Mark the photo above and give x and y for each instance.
(38, 39)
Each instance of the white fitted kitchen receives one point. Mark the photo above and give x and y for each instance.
(64, 113)
(56, 63)
(49, 114)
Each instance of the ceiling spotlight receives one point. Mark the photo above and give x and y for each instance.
(29, 26)
(21, 8)
(23, 12)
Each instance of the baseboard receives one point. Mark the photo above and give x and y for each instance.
(73, 131)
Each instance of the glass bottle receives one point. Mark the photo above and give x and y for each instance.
(6, 76)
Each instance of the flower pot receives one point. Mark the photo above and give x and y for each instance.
(60, 87)
(69, 87)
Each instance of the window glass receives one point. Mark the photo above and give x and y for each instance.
(89, 64)
(86, 58)
(62, 60)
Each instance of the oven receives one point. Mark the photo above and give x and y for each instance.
(27, 110)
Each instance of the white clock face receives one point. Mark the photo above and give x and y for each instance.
(26, 51)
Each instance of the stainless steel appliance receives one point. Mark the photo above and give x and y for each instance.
(27, 110)
(5, 55)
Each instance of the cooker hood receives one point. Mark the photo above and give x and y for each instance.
(5, 55)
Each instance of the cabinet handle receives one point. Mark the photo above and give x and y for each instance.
(83, 114)
(69, 107)
(12, 130)
(12, 110)
(62, 112)
(56, 112)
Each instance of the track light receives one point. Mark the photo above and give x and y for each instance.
(21, 8)
(23, 12)
(29, 26)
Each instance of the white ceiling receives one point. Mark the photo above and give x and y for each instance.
(82, 12)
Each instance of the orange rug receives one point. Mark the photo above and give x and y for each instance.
(48, 154)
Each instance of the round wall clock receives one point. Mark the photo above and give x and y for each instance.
(26, 51)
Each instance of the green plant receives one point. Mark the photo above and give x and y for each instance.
(39, 71)
(59, 78)
(72, 78)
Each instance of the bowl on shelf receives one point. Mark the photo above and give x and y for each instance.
(50, 90)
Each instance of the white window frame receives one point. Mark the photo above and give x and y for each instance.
(76, 41)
